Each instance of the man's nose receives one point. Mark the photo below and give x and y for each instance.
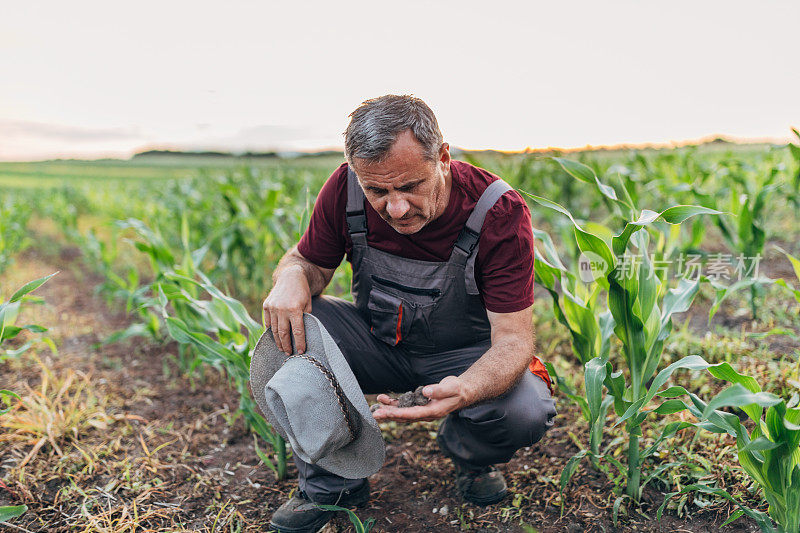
(397, 207)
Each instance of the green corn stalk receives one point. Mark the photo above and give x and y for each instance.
(769, 453)
(794, 149)
(14, 236)
(358, 525)
(8, 316)
(5, 398)
(213, 328)
(641, 306)
(744, 236)
(7, 512)
(786, 284)
(218, 331)
(590, 327)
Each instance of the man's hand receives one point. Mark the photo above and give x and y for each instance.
(284, 308)
(445, 397)
(295, 281)
(490, 376)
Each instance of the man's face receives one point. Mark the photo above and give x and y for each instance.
(407, 190)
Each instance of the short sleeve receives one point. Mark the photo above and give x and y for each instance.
(323, 243)
(504, 266)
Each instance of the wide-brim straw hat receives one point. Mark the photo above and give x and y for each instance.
(313, 400)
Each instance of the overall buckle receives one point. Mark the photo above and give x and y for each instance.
(467, 240)
(356, 222)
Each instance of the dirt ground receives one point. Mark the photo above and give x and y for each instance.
(155, 451)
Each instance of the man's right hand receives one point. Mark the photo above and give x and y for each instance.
(289, 298)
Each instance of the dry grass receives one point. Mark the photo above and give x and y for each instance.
(82, 465)
(62, 409)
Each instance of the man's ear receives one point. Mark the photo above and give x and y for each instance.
(444, 156)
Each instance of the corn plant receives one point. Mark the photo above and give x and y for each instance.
(14, 237)
(358, 525)
(641, 305)
(214, 329)
(8, 316)
(794, 149)
(787, 284)
(743, 232)
(590, 326)
(790, 288)
(769, 452)
(5, 399)
(7, 512)
(670, 178)
(218, 331)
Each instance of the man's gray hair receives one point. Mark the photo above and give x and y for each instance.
(375, 124)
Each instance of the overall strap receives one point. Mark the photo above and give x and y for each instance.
(355, 213)
(466, 247)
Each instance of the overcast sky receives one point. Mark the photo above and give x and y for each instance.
(87, 79)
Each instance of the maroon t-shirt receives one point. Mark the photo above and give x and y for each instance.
(503, 268)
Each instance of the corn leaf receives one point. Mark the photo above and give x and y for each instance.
(7, 512)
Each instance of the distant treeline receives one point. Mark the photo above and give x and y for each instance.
(455, 151)
(251, 155)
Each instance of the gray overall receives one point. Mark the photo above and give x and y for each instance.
(414, 323)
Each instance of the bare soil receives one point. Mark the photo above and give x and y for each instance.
(170, 455)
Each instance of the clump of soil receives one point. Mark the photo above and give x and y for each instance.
(407, 399)
(410, 399)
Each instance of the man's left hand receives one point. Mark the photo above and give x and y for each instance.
(445, 397)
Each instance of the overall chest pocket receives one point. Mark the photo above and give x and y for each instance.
(401, 313)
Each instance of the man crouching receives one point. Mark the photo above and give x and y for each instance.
(442, 260)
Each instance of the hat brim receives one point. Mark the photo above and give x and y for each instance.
(363, 456)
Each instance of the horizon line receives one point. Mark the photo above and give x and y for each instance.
(128, 155)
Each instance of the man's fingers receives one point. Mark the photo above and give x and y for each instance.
(273, 325)
(299, 332)
(284, 327)
(283, 333)
(265, 315)
(444, 389)
(384, 413)
(408, 414)
(387, 400)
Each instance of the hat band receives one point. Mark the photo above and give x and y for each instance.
(336, 389)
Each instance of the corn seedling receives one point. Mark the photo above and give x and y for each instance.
(7, 512)
(589, 324)
(641, 306)
(213, 328)
(6, 397)
(14, 237)
(8, 316)
(794, 149)
(744, 233)
(358, 525)
(788, 284)
(769, 453)
(219, 332)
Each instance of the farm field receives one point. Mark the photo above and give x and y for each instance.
(667, 306)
